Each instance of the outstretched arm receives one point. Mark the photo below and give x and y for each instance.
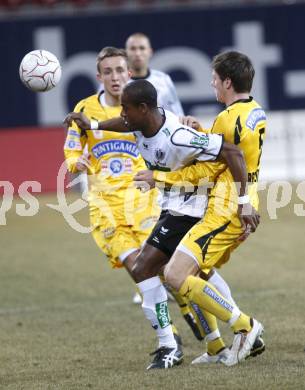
(117, 124)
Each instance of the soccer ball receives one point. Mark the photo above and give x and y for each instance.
(40, 70)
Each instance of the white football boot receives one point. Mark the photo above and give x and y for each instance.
(242, 344)
(210, 359)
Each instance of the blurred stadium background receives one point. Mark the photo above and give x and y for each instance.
(53, 330)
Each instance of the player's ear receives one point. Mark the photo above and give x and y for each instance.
(228, 83)
(143, 108)
(99, 77)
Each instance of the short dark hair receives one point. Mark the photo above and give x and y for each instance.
(237, 67)
(138, 35)
(141, 91)
(110, 51)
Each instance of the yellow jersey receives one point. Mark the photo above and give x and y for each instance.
(114, 156)
(243, 123)
(114, 160)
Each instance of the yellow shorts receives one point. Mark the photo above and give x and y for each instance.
(117, 232)
(211, 241)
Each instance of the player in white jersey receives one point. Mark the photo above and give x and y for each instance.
(165, 145)
(139, 53)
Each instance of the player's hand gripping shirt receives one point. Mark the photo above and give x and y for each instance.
(174, 147)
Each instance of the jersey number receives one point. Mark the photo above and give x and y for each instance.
(237, 131)
(260, 145)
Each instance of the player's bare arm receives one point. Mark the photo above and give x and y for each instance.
(234, 159)
(117, 124)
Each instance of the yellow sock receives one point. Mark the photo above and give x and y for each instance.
(214, 346)
(207, 324)
(208, 298)
(243, 323)
(182, 301)
(174, 329)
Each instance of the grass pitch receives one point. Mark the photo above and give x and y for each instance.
(67, 321)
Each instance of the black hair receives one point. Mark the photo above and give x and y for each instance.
(141, 91)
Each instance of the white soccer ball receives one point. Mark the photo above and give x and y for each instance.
(40, 70)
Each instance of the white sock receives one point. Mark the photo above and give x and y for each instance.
(155, 309)
(221, 285)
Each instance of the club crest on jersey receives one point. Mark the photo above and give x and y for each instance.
(166, 132)
(255, 116)
(115, 146)
(200, 141)
(159, 154)
(73, 144)
(116, 166)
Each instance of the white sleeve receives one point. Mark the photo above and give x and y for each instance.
(174, 104)
(200, 146)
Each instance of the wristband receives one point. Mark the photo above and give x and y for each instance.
(243, 199)
(94, 124)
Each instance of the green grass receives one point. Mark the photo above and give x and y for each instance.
(67, 321)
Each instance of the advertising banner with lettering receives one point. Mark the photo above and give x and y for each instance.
(184, 43)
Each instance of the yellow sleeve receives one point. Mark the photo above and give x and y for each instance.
(222, 125)
(75, 143)
(203, 130)
(192, 173)
(232, 126)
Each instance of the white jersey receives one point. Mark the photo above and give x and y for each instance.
(174, 147)
(167, 94)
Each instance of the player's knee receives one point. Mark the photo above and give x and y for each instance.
(136, 272)
(140, 271)
(170, 277)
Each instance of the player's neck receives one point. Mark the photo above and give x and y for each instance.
(153, 124)
(234, 97)
(112, 101)
(139, 73)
